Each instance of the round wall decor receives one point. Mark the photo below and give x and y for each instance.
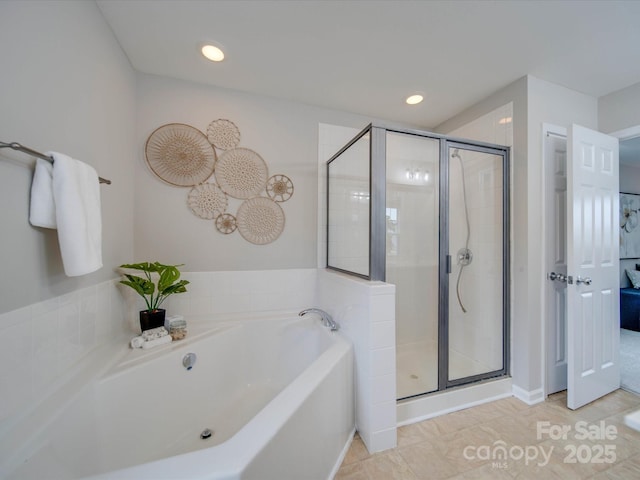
(226, 223)
(207, 201)
(260, 220)
(180, 155)
(279, 188)
(223, 134)
(241, 173)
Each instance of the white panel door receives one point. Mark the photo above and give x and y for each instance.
(593, 315)
(556, 258)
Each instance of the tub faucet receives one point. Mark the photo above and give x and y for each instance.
(327, 320)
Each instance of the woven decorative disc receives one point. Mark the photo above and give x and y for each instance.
(260, 220)
(207, 201)
(180, 155)
(226, 223)
(241, 173)
(279, 188)
(223, 134)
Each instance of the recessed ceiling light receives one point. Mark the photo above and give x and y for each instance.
(414, 99)
(213, 53)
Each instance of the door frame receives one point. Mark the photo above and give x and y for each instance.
(561, 132)
(551, 129)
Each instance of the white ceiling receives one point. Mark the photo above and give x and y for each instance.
(367, 56)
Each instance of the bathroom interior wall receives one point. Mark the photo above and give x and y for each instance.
(285, 134)
(619, 110)
(66, 86)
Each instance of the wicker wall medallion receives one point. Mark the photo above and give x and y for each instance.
(260, 220)
(279, 188)
(241, 173)
(223, 134)
(207, 201)
(226, 223)
(180, 155)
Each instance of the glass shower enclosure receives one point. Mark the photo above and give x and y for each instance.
(429, 214)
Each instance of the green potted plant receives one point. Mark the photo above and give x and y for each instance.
(168, 283)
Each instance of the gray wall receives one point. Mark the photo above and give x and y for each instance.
(65, 86)
(619, 110)
(284, 133)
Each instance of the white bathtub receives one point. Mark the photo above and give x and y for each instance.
(277, 393)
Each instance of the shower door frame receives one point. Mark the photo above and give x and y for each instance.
(446, 145)
(377, 236)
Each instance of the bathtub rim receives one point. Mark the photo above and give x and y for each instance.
(199, 327)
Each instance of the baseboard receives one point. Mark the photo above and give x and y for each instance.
(528, 397)
(436, 404)
(342, 455)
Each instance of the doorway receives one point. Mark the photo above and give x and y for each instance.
(581, 196)
(629, 334)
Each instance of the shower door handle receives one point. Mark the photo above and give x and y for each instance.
(448, 263)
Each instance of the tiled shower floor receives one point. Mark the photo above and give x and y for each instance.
(417, 371)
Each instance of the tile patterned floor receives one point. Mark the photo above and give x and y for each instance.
(460, 445)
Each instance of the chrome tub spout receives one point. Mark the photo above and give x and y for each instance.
(327, 320)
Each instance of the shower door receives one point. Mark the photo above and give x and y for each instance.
(474, 273)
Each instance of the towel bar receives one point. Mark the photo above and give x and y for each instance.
(20, 148)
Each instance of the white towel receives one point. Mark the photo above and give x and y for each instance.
(154, 333)
(158, 341)
(137, 342)
(43, 207)
(76, 192)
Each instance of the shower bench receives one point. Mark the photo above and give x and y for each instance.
(630, 309)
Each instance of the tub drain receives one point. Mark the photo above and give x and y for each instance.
(206, 433)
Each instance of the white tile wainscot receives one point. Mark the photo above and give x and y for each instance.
(366, 313)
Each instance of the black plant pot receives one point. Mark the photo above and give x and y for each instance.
(152, 318)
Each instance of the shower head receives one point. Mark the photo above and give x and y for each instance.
(455, 154)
